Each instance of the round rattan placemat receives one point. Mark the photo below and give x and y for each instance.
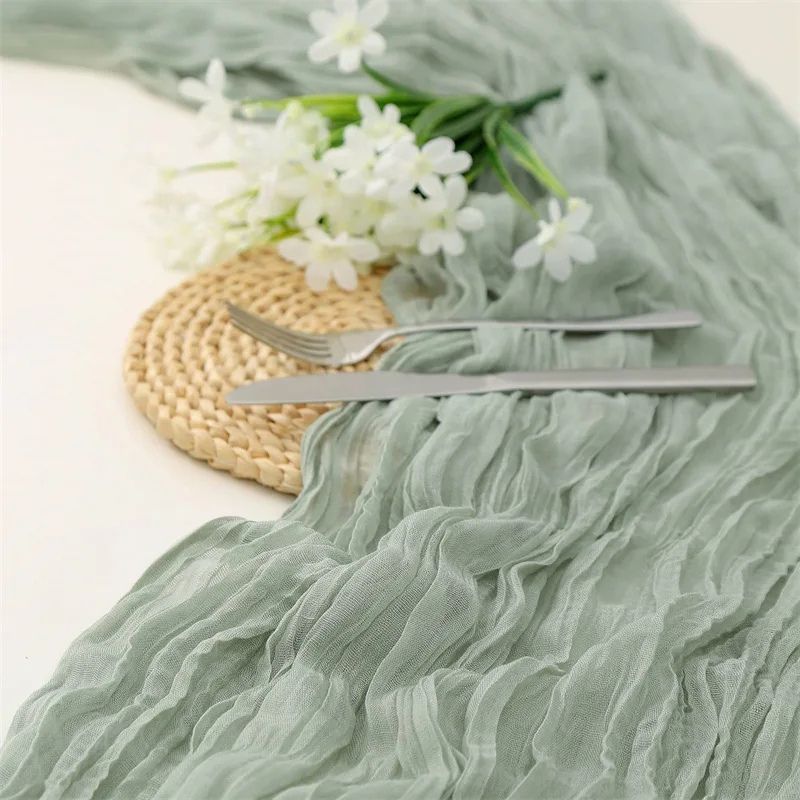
(184, 356)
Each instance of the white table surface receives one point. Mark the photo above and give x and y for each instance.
(91, 494)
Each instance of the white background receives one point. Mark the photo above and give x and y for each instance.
(91, 494)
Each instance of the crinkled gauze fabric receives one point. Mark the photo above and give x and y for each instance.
(579, 596)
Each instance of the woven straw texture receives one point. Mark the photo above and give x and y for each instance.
(184, 356)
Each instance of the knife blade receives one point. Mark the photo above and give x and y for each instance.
(384, 385)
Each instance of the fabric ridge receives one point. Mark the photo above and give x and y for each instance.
(576, 596)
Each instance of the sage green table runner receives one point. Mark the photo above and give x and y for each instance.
(580, 596)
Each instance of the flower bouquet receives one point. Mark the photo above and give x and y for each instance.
(341, 182)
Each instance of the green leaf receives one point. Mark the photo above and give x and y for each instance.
(336, 135)
(523, 153)
(207, 166)
(305, 100)
(392, 84)
(400, 100)
(472, 143)
(467, 123)
(527, 104)
(439, 111)
(409, 110)
(491, 124)
(496, 162)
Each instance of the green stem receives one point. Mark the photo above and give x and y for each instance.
(338, 108)
(305, 99)
(281, 219)
(437, 113)
(521, 150)
(526, 104)
(465, 124)
(394, 85)
(284, 234)
(507, 182)
(248, 195)
(472, 143)
(206, 167)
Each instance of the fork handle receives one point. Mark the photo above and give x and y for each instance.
(655, 321)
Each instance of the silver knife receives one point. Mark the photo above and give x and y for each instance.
(344, 386)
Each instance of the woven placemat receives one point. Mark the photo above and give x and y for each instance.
(184, 356)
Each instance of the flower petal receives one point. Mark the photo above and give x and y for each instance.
(296, 250)
(400, 153)
(340, 158)
(431, 185)
(580, 248)
(323, 50)
(554, 209)
(293, 186)
(367, 107)
(350, 59)
(373, 44)
(356, 139)
(310, 210)
(375, 187)
(440, 147)
(578, 213)
(322, 21)
(214, 121)
(527, 255)
(373, 13)
(391, 113)
(344, 274)
(363, 250)
(453, 243)
(193, 89)
(317, 235)
(548, 233)
(318, 276)
(470, 219)
(454, 163)
(215, 75)
(430, 242)
(455, 188)
(558, 264)
(352, 183)
(399, 190)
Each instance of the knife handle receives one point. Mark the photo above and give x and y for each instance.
(655, 321)
(660, 380)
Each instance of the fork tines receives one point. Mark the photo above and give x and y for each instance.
(306, 346)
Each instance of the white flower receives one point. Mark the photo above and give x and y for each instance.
(314, 184)
(357, 214)
(400, 228)
(382, 127)
(445, 219)
(190, 233)
(408, 166)
(559, 241)
(326, 257)
(271, 200)
(216, 110)
(296, 136)
(301, 130)
(348, 33)
(257, 150)
(355, 160)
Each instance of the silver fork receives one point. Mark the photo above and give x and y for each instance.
(350, 347)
